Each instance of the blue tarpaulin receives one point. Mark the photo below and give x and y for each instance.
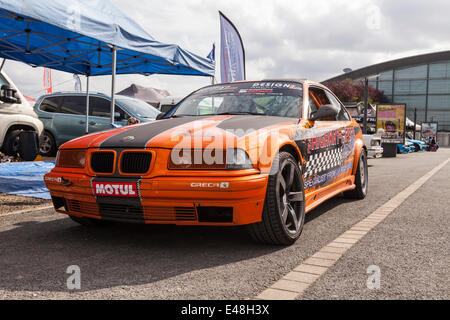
(77, 36)
(25, 178)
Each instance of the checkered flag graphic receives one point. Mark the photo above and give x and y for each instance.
(322, 161)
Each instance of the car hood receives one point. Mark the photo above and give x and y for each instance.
(184, 132)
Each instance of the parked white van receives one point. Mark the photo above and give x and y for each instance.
(16, 116)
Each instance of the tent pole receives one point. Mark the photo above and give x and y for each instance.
(87, 104)
(113, 82)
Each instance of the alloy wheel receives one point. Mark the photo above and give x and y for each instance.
(290, 195)
(46, 144)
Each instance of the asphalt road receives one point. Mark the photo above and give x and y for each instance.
(410, 247)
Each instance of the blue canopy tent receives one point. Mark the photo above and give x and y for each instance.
(89, 37)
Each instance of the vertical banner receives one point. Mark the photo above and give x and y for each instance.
(429, 130)
(77, 82)
(48, 87)
(212, 55)
(232, 55)
(392, 119)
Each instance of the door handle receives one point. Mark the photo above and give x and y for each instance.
(92, 123)
(81, 122)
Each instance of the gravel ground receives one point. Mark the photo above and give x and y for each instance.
(9, 203)
(167, 262)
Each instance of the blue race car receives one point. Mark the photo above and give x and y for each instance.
(405, 148)
(418, 145)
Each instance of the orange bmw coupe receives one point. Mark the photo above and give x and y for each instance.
(255, 153)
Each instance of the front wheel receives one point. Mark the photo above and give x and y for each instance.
(11, 143)
(284, 207)
(361, 179)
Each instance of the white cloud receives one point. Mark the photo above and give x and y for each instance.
(315, 39)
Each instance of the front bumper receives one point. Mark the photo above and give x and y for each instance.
(164, 200)
(375, 151)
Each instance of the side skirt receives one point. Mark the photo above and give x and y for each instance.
(328, 192)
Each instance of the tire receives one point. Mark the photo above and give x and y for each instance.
(283, 214)
(29, 145)
(361, 179)
(416, 148)
(88, 222)
(47, 146)
(11, 143)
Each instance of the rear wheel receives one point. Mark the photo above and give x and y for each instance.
(47, 145)
(284, 207)
(361, 179)
(88, 222)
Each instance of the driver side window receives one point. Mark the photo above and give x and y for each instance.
(317, 97)
(342, 115)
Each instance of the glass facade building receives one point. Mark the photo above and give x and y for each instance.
(422, 82)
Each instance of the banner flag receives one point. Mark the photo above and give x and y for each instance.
(212, 55)
(77, 83)
(48, 87)
(232, 54)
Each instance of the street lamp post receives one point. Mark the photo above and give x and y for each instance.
(366, 99)
(415, 122)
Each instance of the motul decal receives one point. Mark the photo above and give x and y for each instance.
(117, 189)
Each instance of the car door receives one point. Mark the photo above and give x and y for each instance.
(330, 143)
(48, 108)
(70, 122)
(100, 114)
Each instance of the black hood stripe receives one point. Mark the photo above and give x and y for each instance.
(144, 133)
(238, 124)
(241, 124)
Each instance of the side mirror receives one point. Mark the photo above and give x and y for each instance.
(326, 111)
(8, 94)
(117, 116)
(161, 115)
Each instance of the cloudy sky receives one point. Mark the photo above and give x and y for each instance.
(312, 39)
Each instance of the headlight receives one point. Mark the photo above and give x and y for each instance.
(71, 158)
(238, 159)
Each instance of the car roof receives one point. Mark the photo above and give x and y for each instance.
(76, 93)
(298, 80)
(305, 81)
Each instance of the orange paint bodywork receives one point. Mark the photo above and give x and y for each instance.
(174, 196)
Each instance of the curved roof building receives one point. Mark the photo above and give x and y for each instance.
(422, 82)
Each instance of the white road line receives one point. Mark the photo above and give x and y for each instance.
(292, 285)
(25, 211)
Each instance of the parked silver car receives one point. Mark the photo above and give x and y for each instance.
(373, 143)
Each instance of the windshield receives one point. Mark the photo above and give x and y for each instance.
(138, 108)
(282, 99)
